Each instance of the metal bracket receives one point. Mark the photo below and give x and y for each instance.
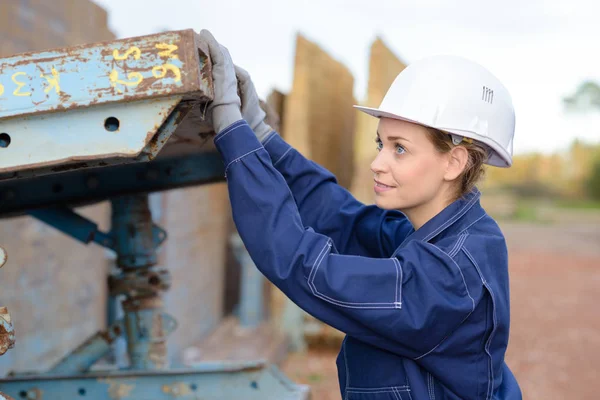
(67, 221)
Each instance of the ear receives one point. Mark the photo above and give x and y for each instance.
(457, 162)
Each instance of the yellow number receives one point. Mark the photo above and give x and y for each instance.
(19, 85)
(160, 71)
(1, 89)
(137, 53)
(135, 78)
(53, 81)
(168, 49)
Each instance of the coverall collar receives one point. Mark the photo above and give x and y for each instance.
(447, 218)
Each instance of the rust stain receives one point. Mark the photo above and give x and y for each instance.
(179, 389)
(5, 397)
(7, 332)
(142, 303)
(69, 167)
(117, 390)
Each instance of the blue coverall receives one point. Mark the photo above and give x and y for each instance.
(425, 312)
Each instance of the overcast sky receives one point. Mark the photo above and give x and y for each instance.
(540, 49)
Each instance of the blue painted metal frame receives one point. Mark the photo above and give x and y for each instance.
(74, 225)
(98, 184)
(218, 381)
(167, 66)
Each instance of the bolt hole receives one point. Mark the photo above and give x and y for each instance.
(154, 280)
(82, 392)
(194, 387)
(112, 124)
(57, 188)
(23, 394)
(254, 385)
(4, 140)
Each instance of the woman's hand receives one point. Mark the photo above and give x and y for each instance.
(226, 105)
(251, 110)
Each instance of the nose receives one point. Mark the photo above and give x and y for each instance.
(379, 164)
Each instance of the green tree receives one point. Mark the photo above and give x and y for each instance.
(587, 98)
(593, 183)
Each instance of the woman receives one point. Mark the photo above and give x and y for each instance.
(419, 282)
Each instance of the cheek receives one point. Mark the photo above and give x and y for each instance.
(416, 172)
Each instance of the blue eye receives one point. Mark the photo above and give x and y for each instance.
(379, 144)
(400, 149)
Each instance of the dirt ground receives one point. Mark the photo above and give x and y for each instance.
(554, 347)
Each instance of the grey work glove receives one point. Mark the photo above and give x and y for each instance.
(251, 110)
(225, 108)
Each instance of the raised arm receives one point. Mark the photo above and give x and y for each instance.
(406, 304)
(323, 204)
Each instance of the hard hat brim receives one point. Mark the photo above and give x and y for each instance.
(499, 159)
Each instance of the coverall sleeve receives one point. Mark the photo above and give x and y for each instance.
(407, 304)
(330, 209)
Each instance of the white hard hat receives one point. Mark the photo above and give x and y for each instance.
(457, 96)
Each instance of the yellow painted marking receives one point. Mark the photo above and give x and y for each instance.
(137, 53)
(53, 81)
(160, 71)
(1, 89)
(168, 50)
(135, 78)
(17, 91)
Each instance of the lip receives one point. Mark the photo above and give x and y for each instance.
(381, 189)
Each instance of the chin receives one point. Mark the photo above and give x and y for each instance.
(387, 204)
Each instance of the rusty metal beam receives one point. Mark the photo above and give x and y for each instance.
(140, 68)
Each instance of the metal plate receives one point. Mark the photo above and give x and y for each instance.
(222, 381)
(95, 133)
(166, 64)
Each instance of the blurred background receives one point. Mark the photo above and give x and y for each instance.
(311, 61)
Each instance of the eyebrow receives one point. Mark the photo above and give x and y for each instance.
(392, 138)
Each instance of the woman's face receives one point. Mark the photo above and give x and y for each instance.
(409, 171)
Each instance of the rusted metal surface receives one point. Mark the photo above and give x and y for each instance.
(7, 331)
(5, 397)
(146, 333)
(145, 282)
(119, 102)
(165, 64)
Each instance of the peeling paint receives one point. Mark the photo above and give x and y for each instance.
(179, 389)
(7, 331)
(117, 390)
(82, 76)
